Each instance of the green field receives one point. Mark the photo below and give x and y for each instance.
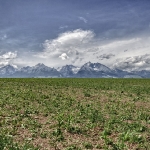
(74, 114)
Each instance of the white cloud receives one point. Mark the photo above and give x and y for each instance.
(9, 55)
(72, 44)
(80, 46)
(63, 27)
(83, 19)
(68, 40)
(7, 58)
(120, 43)
(64, 56)
(123, 49)
(141, 62)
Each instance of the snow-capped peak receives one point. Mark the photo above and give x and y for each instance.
(95, 67)
(68, 70)
(40, 65)
(7, 69)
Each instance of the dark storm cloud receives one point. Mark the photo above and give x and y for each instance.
(105, 56)
(42, 18)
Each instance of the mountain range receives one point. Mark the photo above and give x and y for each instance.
(88, 70)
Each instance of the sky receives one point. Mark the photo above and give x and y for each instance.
(115, 33)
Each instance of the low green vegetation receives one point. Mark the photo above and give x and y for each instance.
(74, 114)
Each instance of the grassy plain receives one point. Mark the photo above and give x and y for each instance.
(74, 114)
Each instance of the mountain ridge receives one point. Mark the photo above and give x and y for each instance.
(88, 70)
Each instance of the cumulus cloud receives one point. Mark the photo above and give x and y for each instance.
(7, 58)
(63, 56)
(141, 62)
(68, 40)
(69, 46)
(9, 55)
(83, 19)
